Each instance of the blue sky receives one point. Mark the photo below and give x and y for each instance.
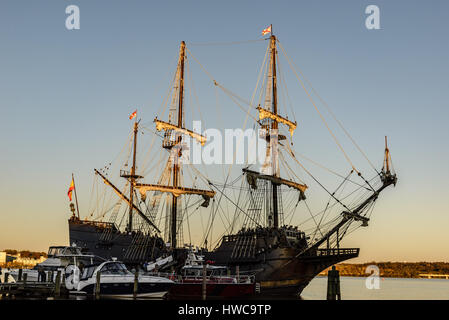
(65, 97)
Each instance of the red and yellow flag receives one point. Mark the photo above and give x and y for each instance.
(133, 115)
(266, 30)
(72, 186)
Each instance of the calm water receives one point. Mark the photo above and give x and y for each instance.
(354, 288)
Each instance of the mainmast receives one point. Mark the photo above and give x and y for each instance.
(174, 131)
(274, 134)
(174, 208)
(270, 123)
(132, 180)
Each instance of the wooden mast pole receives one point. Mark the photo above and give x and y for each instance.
(274, 127)
(178, 145)
(76, 197)
(387, 156)
(132, 179)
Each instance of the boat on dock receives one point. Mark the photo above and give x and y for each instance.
(58, 258)
(200, 279)
(216, 284)
(116, 281)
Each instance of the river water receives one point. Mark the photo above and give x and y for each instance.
(355, 288)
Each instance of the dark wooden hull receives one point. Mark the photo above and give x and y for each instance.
(90, 234)
(284, 272)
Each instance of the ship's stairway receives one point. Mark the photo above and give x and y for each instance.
(139, 249)
(245, 247)
(107, 233)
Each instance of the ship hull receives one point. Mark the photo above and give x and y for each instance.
(111, 243)
(281, 273)
(89, 236)
(281, 281)
(284, 272)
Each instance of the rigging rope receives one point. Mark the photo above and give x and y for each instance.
(224, 43)
(332, 114)
(319, 113)
(307, 171)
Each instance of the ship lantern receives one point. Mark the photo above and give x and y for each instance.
(72, 208)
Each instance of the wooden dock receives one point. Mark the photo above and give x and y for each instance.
(33, 289)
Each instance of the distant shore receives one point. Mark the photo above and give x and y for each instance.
(393, 269)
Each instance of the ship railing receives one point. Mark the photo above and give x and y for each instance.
(337, 252)
(194, 279)
(168, 275)
(219, 279)
(100, 224)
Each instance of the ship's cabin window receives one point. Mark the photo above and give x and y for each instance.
(53, 251)
(71, 251)
(294, 234)
(192, 272)
(198, 272)
(115, 268)
(219, 271)
(88, 272)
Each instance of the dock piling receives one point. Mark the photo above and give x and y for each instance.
(333, 284)
(58, 284)
(204, 282)
(136, 284)
(237, 272)
(25, 276)
(97, 286)
(19, 277)
(43, 276)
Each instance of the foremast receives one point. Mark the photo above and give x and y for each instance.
(174, 208)
(126, 199)
(173, 143)
(132, 180)
(132, 177)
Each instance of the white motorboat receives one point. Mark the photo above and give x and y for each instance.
(58, 258)
(116, 281)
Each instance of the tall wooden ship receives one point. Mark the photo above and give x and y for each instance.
(259, 240)
(282, 256)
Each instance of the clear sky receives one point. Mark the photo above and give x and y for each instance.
(65, 97)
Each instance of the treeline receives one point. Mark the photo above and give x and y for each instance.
(26, 253)
(394, 269)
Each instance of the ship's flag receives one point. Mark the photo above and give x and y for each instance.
(72, 186)
(133, 115)
(266, 30)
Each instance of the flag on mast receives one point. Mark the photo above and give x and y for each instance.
(133, 115)
(71, 188)
(266, 30)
